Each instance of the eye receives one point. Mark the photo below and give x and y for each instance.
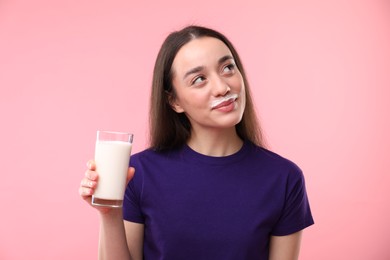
(198, 80)
(229, 68)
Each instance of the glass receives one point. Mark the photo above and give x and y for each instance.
(112, 157)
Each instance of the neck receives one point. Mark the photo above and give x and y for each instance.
(216, 142)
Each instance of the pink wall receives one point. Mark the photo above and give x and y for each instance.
(319, 70)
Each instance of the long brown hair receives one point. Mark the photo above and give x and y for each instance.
(169, 129)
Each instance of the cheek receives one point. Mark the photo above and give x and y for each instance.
(238, 82)
(193, 102)
(243, 95)
(198, 101)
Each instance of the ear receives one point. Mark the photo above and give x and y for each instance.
(173, 102)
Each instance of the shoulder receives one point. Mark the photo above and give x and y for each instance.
(143, 154)
(149, 154)
(274, 162)
(272, 158)
(150, 158)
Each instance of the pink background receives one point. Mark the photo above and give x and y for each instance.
(319, 70)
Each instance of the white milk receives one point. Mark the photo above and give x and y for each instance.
(112, 163)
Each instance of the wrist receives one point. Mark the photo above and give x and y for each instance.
(110, 213)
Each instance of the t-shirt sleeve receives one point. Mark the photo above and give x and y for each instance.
(132, 200)
(296, 214)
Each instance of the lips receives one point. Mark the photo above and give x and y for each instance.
(224, 101)
(224, 104)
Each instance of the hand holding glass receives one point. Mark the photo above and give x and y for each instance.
(112, 156)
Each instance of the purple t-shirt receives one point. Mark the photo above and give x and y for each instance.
(201, 207)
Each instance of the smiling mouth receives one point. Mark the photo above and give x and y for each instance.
(224, 101)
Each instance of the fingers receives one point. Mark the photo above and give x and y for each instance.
(87, 186)
(91, 165)
(89, 182)
(130, 174)
(91, 175)
(85, 192)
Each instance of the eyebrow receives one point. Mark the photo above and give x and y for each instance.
(193, 71)
(225, 58)
(200, 68)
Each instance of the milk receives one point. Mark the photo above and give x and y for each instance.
(112, 164)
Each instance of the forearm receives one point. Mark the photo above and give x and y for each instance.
(112, 237)
(285, 247)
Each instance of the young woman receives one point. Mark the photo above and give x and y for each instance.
(206, 188)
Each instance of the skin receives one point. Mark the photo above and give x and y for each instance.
(285, 247)
(118, 239)
(203, 71)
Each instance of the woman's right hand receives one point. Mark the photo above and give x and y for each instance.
(89, 182)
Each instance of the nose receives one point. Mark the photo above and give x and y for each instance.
(220, 86)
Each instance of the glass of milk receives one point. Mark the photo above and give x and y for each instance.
(112, 156)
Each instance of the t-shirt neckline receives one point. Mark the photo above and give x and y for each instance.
(194, 156)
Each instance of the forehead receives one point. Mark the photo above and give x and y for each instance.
(202, 51)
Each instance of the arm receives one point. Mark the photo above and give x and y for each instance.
(285, 247)
(135, 239)
(117, 240)
(120, 239)
(112, 236)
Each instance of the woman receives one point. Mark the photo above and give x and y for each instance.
(206, 188)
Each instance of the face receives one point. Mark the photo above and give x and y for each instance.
(209, 87)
